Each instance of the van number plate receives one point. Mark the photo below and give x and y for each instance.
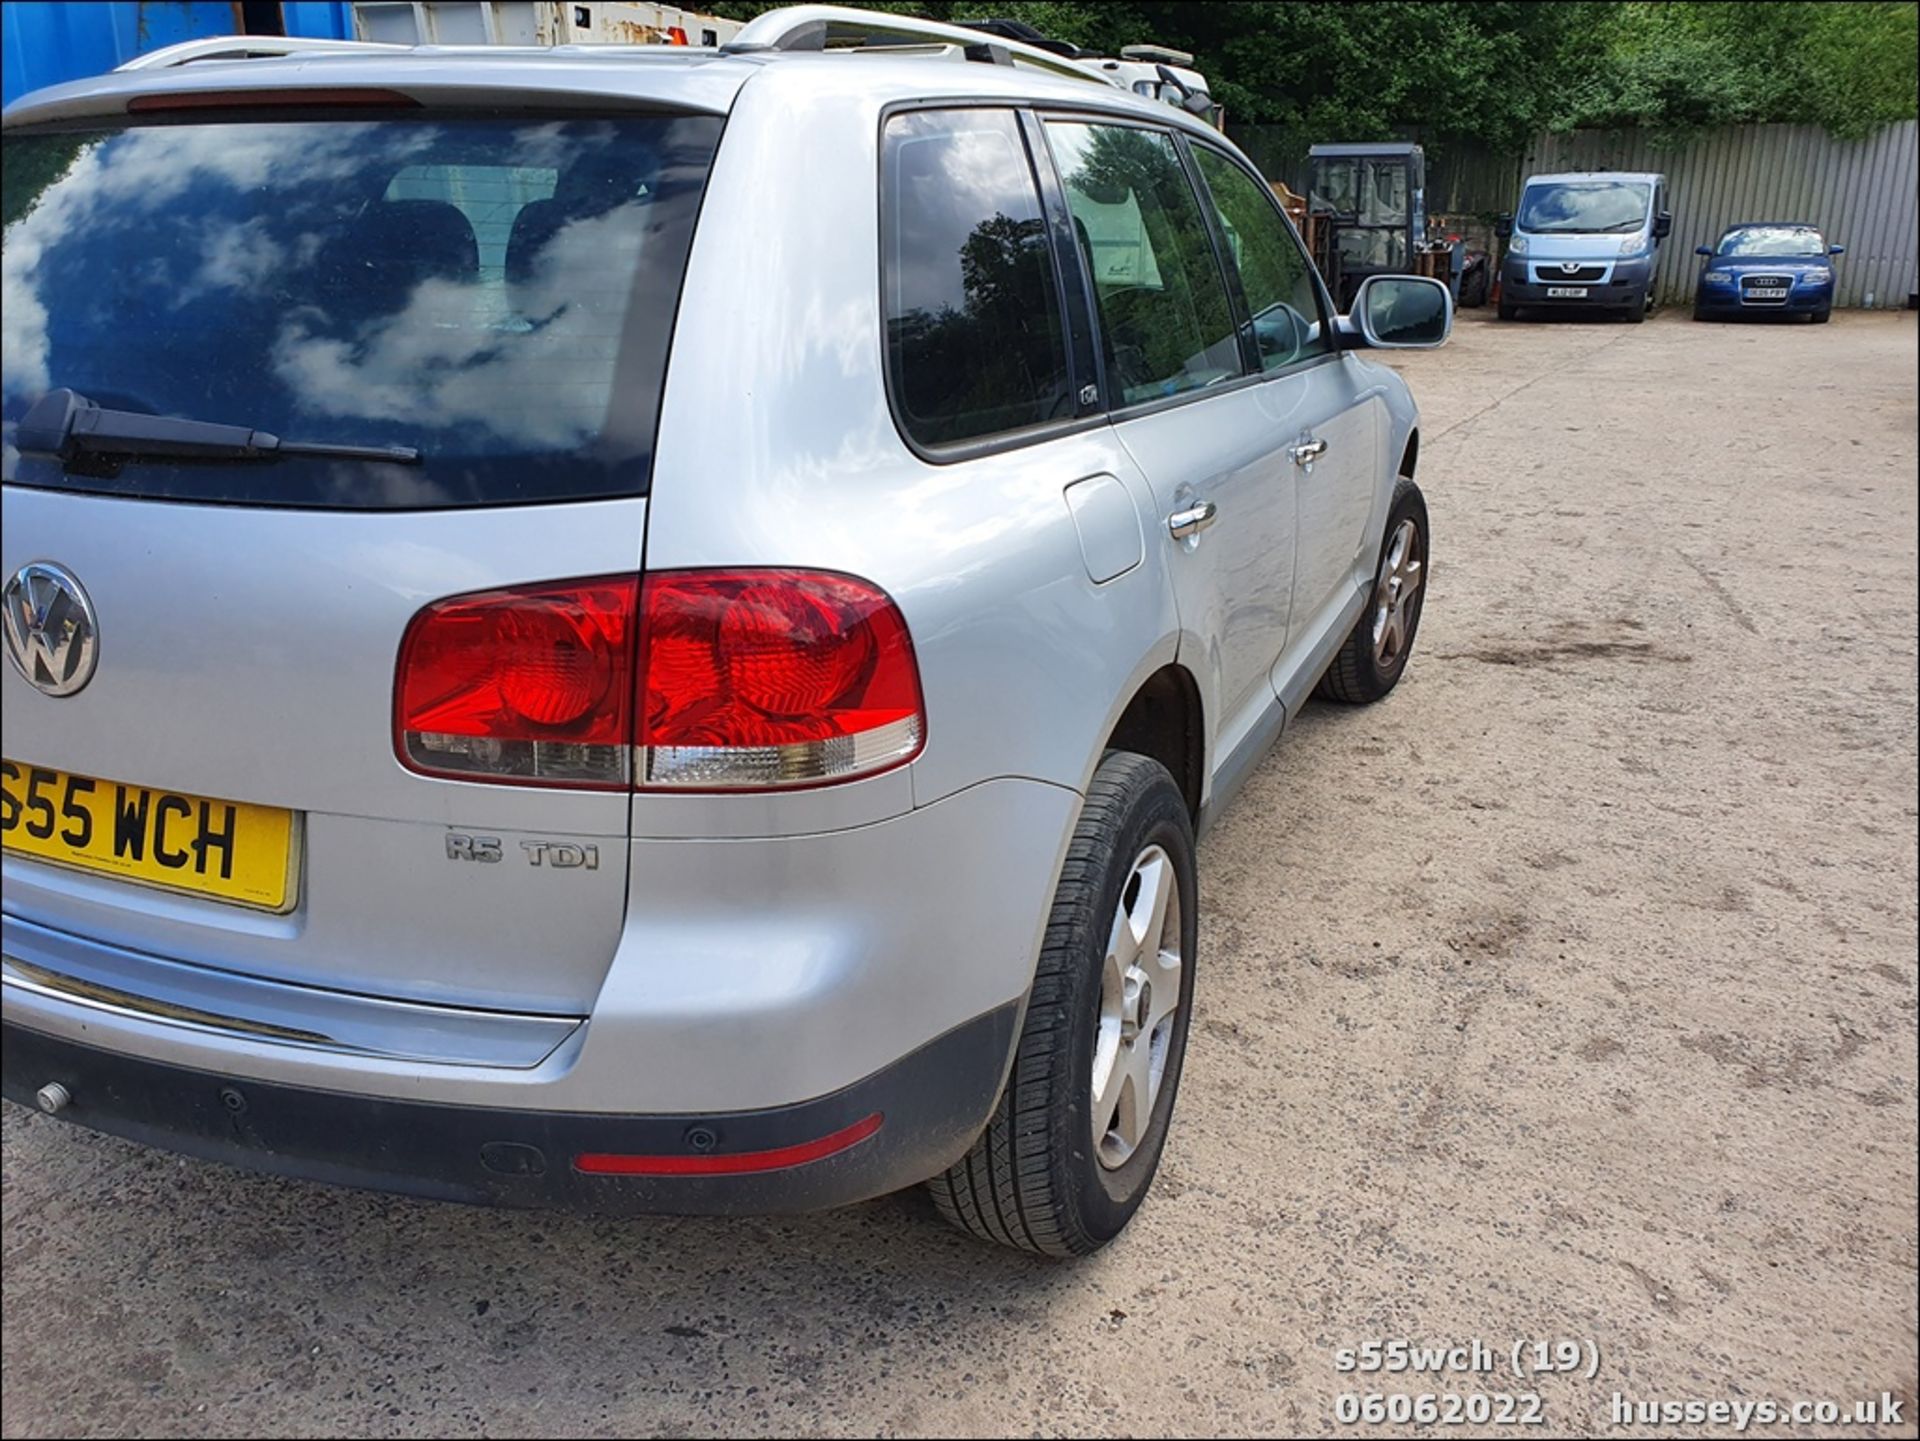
(1566, 292)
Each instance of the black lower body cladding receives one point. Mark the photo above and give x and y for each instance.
(816, 1154)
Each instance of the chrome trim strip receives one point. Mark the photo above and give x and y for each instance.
(52, 965)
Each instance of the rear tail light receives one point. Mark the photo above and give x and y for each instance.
(530, 684)
(767, 678)
(702, 680)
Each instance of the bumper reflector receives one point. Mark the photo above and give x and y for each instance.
(597, 1163)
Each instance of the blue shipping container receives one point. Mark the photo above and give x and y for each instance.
(47, 43)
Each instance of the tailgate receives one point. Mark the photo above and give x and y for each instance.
(248, 655)
(456, 327)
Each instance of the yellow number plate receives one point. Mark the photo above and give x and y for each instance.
(225, 849)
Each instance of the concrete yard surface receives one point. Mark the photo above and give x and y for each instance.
(1569, 994)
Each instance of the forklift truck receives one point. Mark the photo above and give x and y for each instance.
(1374, 196)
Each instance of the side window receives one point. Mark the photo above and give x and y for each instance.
(974, 343)
(1164, 317)
(1275, 274)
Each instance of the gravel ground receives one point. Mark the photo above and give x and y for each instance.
(1569, 993)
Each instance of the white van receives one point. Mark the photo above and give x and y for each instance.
(1584, 240)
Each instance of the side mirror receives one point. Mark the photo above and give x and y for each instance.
(1706, 250)
(1398, 312)
(1836, 250)
(1191, 100)
(1663, 225)
(1503, 227)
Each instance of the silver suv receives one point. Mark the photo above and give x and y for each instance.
(648, 630)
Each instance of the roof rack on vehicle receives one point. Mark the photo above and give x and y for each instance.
(1020, 30)
(840, 27)
(1150, 54)
(246, 47)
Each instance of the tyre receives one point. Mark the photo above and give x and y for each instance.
(1375, 654)
(1509, 311)
(1076, 1136)
(1473, 288)
(1821, 317)
(1637, 311)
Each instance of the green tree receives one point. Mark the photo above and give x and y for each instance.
(1351, 72)
(1496, 71)
(33, 165)
(1677, 68)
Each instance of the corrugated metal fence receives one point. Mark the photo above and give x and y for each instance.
(1862, 193)
(48, 41)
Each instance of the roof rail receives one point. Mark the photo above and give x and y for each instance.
(1020, 30)
(245, 47)
(840, 27)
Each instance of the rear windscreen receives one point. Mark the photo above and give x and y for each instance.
(497, 294)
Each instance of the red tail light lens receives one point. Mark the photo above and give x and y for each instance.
(701, 680)
(767, 678)
(530, 684)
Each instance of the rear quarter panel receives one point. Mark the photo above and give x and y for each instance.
(777, 447)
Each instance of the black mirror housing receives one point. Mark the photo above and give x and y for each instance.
(1706, 250)
(1503, 227)
(1663, 225)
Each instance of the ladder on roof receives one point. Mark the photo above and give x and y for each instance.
(840, 27)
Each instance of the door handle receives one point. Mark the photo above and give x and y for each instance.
(1307, 451)
(1191, 521)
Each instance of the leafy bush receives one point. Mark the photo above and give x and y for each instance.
(1496, 71)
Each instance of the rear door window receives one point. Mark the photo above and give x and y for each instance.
(975, 347)
(1165, 321)
(496, 293)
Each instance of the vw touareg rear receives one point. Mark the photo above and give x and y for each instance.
(648, 630)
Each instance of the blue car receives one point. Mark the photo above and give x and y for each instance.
(1779, 266)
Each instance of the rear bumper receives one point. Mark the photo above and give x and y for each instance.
(930, 1104)
(750, 975)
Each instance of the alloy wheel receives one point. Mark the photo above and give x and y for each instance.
(1139, 999)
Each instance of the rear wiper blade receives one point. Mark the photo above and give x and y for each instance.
(67, 426)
